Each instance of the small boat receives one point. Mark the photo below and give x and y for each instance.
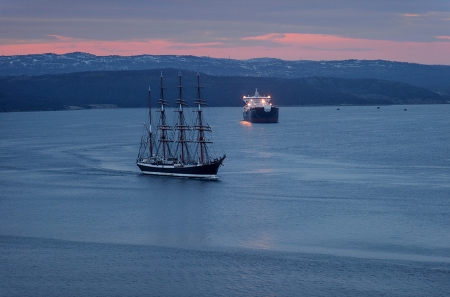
(258, 109)
(180, 150)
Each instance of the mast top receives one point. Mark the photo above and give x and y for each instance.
(199, 101)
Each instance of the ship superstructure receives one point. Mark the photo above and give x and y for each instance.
(259, 109)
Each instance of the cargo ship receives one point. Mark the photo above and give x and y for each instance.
(179, 150)
(258, 109)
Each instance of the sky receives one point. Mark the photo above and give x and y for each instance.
(415, 31)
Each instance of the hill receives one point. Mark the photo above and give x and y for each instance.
(432, 77)
(129, 89)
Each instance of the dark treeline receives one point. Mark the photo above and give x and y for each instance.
(129, 89)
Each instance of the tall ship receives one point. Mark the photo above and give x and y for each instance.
(258, 109)
(180, 150)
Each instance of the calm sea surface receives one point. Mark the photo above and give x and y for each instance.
(349, 202)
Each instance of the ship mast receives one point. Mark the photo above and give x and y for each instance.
(163, 127)
(199, 123)
(150, 133)
(181, 125)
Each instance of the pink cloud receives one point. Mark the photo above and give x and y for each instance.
(100, 47)
(330, 47)
(62, 38)
(288, 46)
(293, 38)
(271, 36)
(411, 15)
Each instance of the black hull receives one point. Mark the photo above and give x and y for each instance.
(208, 170)
(258, 115)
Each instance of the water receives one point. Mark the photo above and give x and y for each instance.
(349, 202)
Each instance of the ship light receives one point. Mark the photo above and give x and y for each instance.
(263, 101)
(268, 96)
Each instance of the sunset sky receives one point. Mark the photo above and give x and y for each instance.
(398, 30)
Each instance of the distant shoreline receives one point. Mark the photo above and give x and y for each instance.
(112, 106)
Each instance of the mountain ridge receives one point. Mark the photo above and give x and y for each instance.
(432, 77)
